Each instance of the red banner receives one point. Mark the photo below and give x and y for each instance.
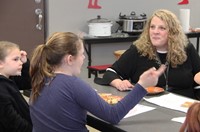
(184, 2)
(94, 4)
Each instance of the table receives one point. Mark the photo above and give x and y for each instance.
(89, 41)
(151, 121)
(156, 120)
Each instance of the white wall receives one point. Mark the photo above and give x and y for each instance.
(72, 15)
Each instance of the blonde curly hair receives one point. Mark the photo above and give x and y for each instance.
(177, 40)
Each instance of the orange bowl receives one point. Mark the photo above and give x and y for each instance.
(154, 90)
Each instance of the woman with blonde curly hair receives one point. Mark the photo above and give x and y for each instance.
(161, 42)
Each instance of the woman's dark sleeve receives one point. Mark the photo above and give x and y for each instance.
(195, 61)
(123, 67)
(195, 58)
(24, 81)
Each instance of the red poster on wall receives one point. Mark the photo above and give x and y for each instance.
(184, 2)
(94, 4)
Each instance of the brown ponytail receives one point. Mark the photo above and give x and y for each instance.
(47, 56)
(38, 70)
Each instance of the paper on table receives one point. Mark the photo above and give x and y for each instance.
(138, 109)
(171, 101)
(179, 119)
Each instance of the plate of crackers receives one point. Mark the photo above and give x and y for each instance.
(110, 98)
(187, 104)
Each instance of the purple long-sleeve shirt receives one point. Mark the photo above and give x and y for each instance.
(63, 105)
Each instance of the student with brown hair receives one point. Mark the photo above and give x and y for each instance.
(192, 121)
(60, 100)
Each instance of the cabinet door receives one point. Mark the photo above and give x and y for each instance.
(23, 22)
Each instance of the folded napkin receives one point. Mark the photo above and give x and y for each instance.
(179, 119)
(138, 109)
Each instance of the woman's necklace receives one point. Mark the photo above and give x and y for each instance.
(159, 62)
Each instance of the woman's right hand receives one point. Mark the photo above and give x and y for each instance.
(121, 85)
(150, 77)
